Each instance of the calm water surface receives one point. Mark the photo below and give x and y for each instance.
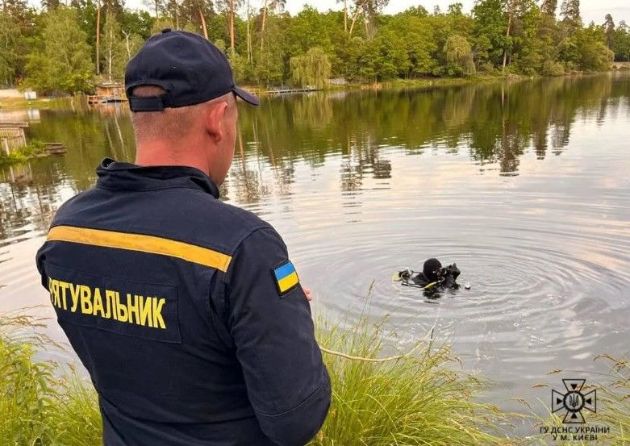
(525, 186)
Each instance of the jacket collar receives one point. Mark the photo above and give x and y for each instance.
(127, 176)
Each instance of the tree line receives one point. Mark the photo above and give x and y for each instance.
(67, 48)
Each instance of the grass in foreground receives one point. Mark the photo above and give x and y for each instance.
(38, 407)
(615, 400)
(411, 399)
(418, 398)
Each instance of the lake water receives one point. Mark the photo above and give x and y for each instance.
(526, 186)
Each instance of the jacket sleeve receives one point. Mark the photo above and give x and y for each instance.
(40, 257)
(287, 382)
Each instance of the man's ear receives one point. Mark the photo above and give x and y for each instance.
(215, 113)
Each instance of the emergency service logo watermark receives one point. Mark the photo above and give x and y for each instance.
(571, 404)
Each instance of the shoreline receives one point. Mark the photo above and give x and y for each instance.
(427, 83)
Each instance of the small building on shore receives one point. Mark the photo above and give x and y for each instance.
(108, 92)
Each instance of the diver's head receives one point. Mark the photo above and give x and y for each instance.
(431, 269)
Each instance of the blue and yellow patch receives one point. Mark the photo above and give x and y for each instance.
(286, 277)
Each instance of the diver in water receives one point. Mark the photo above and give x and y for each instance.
(432, 278)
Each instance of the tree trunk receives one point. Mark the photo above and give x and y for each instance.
(357, 12)
(249, 37)
(262, 26)
(345, 16)
(98, 40)
(176, 14)
(203, 24)
(507, 34)
(127, 45)
(231, 13)
(354, 19)
(110, 42)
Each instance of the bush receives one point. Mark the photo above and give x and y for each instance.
(551, 68)
(487, 68)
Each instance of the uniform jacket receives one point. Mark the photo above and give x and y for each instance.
(186, 312)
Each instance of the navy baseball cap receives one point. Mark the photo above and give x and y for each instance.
(187, 66)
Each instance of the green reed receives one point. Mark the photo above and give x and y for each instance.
(421, 397)
(37, 405)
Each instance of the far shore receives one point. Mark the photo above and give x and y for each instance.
(46, 102)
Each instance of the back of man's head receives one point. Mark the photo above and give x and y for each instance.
(173, 125)
(182, 94)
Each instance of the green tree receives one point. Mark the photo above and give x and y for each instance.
(229, 9)
(195, 13)
(361, 43)
(369, 11)
(570, 13)
(459, 56)
(529, 49)
(267, 63)
(594, 54)
(490, 30)
(137, 23)
(419, 40)
(19, 11)
(609, 29)
(114, 50)
(87, 12)
(621, 42)
(9, 56)
(549, 7)
(311, 69)
(548, 37)
(62, 63)
(309, 29)
(18, 27)
(50, 4)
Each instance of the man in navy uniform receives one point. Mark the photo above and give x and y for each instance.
(186, 311)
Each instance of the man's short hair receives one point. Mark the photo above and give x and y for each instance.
(170, 123)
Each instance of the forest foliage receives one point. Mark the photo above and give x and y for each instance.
(59, 49)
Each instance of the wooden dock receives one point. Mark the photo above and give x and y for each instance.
(96, 99)
(291, 90)
(12, 136)
(55, 148)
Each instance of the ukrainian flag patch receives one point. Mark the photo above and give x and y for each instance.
(286, 277)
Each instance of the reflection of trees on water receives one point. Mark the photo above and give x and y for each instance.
(497, 123)
(89, 137)
(247, 171)
(362, 157)
(247, 184)
(27, 199)
(31, 192)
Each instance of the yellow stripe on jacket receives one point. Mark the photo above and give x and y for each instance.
(143, 243)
